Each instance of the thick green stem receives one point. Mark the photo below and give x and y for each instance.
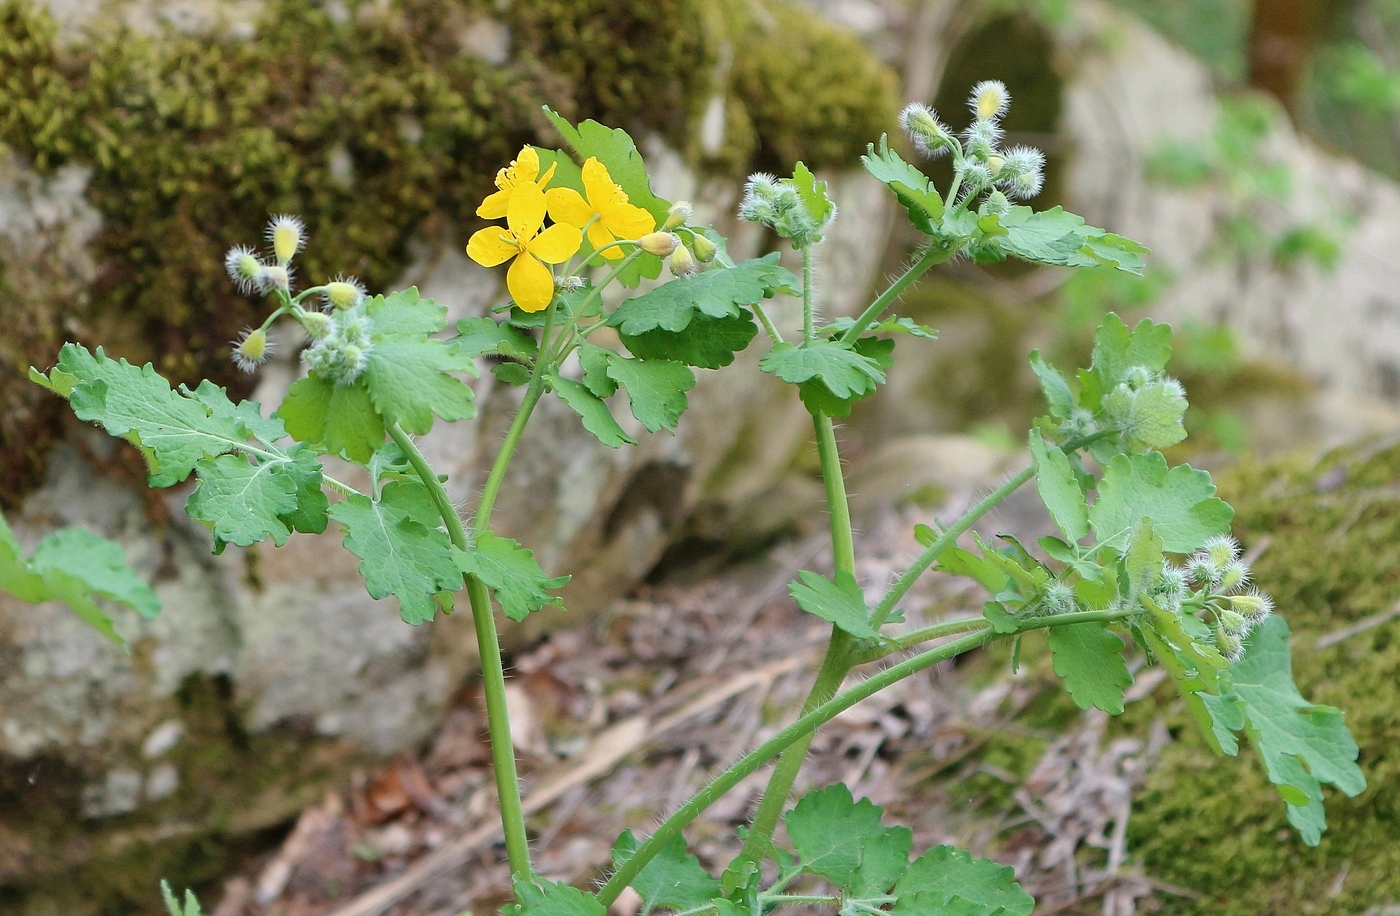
(808, 307)
(839, 651)
(929, 259)
(492, 670)
(769, 749)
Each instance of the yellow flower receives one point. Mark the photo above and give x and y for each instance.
(611, 216)
(531, 284)
(525, 169)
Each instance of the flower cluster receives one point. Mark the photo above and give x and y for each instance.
(286, 236)
(777, 204)
(602, 213)
(1216, 579)
(978, 159)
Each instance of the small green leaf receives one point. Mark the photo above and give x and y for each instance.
(340, 417)
(842, 839)
(1059, 488)
(1055, 386)
(911, 186)
(74, 565)
(403, 552)
(242, 502)
(949, 878)
(511, 572)
(1181, 502)
(1116, 350)
(1056, 237)
(842, 371)
(841, 602)
(1090, 659)
(1002, 620)
(483, 335)
(656, 388)
(673, 879)
(593, 411)
(1302, 744)
(552, 898)
(706, 343)
(408, 374)
(719, 293)
(812, 193)
(309, 516)
(594, 360)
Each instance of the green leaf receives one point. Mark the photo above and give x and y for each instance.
(812, 193)
(340, 417)
(673, 879)
(74, 565)
(706, 343)
(892, 324)
(309, 516)
(403, 552)
(656, 388)
(841, 602)
(15, 575)
(948, 880)
(1116, 350)
(511, 572)
(1302, 744)
(1181, 502)
(1056, 237)
(247, 414)
(1143, 560)
(1059, 488)
(174, 430)
(912, 187)
(1090, 659)
(593, 411)
(483, 335)
(1055, 386)
(594, 360)
(552, 898)
(242, 502)
(614, 149)
(191, 905)
(844, 372)
(720, 292)
(407, 373)
(844, 840)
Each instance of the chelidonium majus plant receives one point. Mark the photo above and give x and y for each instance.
(1143, 560)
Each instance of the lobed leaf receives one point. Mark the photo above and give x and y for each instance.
(840, 602)
(512, 574)
(673, 879)
(1090, 659)
(1181, 502)
(592, 410)
(947, 880)
(706, 343)
(845, 841)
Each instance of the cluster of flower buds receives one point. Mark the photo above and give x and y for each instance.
(978, 160)
(686, 248)
(776, 203)
(1216, 579)
(342, 337)
(1147, 407)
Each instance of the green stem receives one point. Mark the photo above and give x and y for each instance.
(767, 323)
(949, 536)
(492, 670)
(752, 761)
(533, 392)
(929, 259)
(808, 321)
(839, 651)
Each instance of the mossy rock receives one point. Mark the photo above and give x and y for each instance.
(377, 127)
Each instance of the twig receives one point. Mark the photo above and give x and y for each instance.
(1361, 626)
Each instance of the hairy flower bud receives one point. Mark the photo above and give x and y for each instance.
(659, 243)
(1233, 575)
(317, 325)
(682, 262)
(1222, 550)
(929, 134)
(251, 350)
(274, 276)
(244, 268)
(704, 249)
(287, 235)
(989, 100)
(679, 214)
(344, 293)
(1255, 605)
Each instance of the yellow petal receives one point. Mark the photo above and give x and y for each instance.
(549, 174)
(525, 212)
(491, 246)
(567, 206)
(601, 189)
(531, 284)
(629, 221)
(527, 164)
(598, 236)
(494, 206)
(556, 244)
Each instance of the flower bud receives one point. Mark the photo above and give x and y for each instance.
(659, 243)
(1234, 575)
(243, 267)
(344, 293)
(1202, 570)
(994, 164)
(989, 100)
(287, 235)
(704, 249)
(274, 276)
(1222, 550)
(1233, 623)
(1256, 605)
(682, 262)
(923, 127)
(317, 325)
(677, 216)
(1229, 645)
(251, 350)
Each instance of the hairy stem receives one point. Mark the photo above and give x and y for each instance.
(930, 258)
(492, 670)
(769, 749)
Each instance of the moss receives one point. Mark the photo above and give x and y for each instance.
(366, 125)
